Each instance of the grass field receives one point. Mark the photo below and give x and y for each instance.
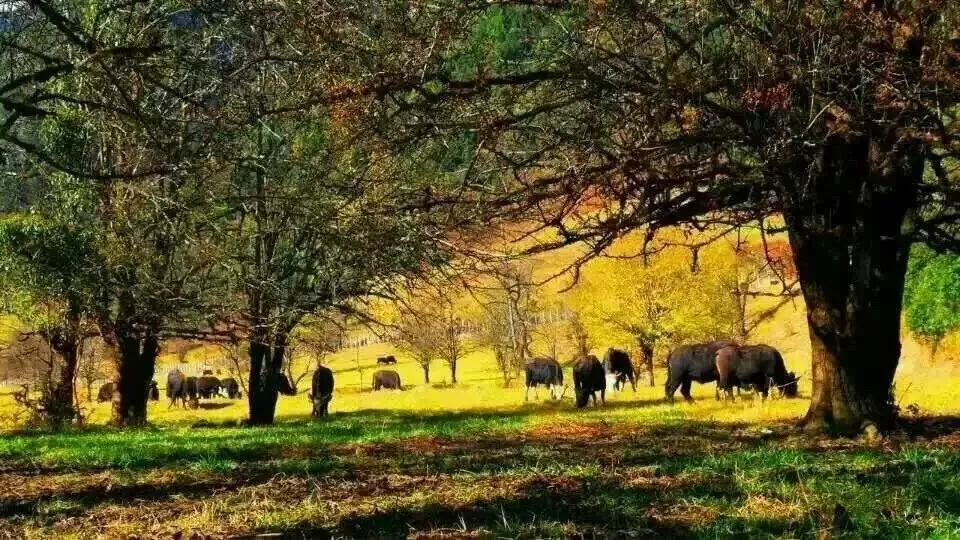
(473, 460)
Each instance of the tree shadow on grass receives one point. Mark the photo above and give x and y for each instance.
(595, 508)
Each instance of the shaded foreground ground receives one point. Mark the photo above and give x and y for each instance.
(520, 473)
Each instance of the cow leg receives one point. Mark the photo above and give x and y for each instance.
(671, 388)
(603, 396)
(633, 382)
(685, 390)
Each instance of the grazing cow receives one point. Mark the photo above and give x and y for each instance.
(229, 388)
(759, 365)
(208, 387)
(387, 379)
(546, 371)
(321, 391)
(689, 363)
(386, 360)
(588, 379)
(154, 391)
(617, 363)
(285, 387)
(106, 392)
(176, 388)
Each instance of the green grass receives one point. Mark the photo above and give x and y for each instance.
(540, 471)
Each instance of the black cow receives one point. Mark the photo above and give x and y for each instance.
(285, 387)
(154, 391)
(759, 366)
(689, 363)
(618, 364)
(386, 360)
(321, 391)
(589, 378)
(177, 387)
(229, 388)
(191, 386)
(387, 379)
(545, 371)
(208, 386)
(106, 392)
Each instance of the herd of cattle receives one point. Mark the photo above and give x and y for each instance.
(747, 367)
(731, 366)
(190, 390)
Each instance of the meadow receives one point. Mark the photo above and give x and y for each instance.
(474, 460)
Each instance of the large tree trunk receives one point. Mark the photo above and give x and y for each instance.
(426, 373)
(850, 236)
(266, 364)
(138, 358)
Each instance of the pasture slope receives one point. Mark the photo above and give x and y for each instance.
(475, 461)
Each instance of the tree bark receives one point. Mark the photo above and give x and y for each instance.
(138, 358)
(453, 371)
(850, 235)
(426, 373)
(646, 356)
(266, 364)
(66, 343)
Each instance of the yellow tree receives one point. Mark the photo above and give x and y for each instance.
(654, 303)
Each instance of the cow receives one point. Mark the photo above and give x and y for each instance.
(176, 387)
(726, 360)
(617, 363)
(285, 387)
(386, 360)
(589, 378)
(759, 366)
(154, 391)
(106, 392)
(208, 386)
(229, 388)
(387, 379)
(191, 386)
(544, 371)
(689, 363)
(321, 391)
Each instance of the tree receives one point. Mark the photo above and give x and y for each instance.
(932, 296)
(659, 302)
(50, 272)
(508, 306)
(417, 336)
(108, 100)
(228, 185)
(618, 117)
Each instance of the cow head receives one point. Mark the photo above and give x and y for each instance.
(582, 398)
(789, 388)
(318, 403)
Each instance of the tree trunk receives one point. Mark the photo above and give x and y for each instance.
(850, 238)
(138, 357)
(646, 356)
(66, 343)
(426, 373)
(266, 363)
(453, 371)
